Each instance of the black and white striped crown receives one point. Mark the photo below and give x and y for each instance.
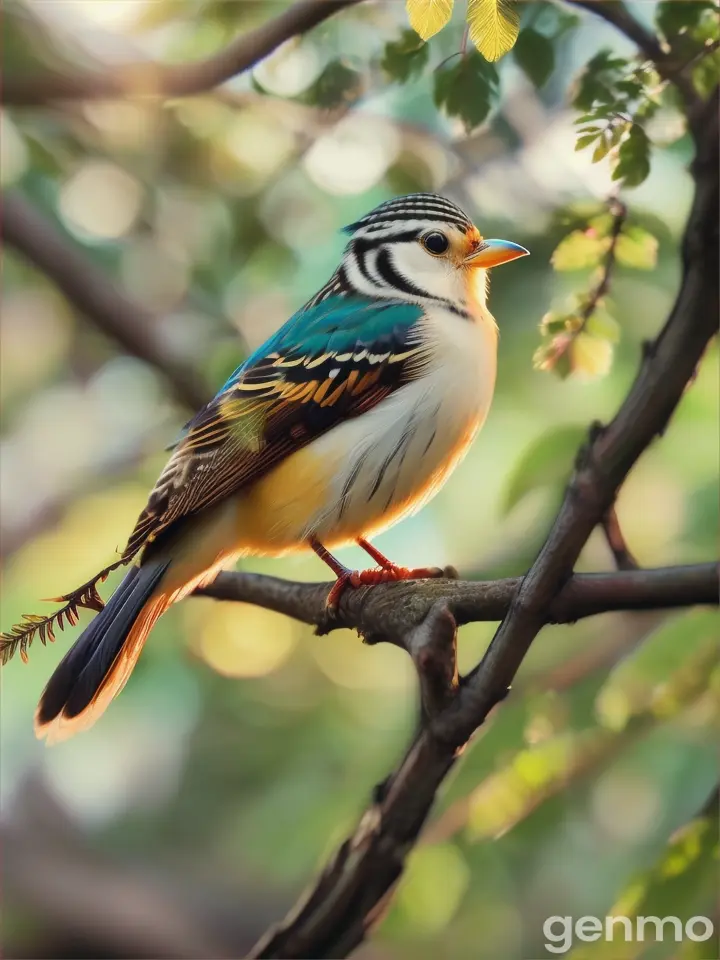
(414, 208)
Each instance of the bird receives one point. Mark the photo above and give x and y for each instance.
(347, 419)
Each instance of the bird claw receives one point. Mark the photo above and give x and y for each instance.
(367, 578)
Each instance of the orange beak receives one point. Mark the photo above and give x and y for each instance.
(491, 253)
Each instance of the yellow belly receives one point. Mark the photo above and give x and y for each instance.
(304, 496)
(272, 516)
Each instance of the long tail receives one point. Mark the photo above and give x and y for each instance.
(98, 665)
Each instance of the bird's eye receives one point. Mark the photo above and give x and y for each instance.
(435, 243)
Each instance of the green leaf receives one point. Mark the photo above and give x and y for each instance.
(553, 323)
(702, 520)
(561, 365)
(637, 248)
(603, 147)
(706, 74)
(637, 681)
(684, 882)
(633, 158)
(406, 57)
(428, 17)
(586, 139)
(601, 324)
(553, 355)
(618, 129)
(433, 887)
(579, 250)
(590, 356)
(675, 18)
(596, 84)
(494, 26)
(547, 462)
(535, 55)
(338, 83)
(467, 89)
(588, 118)
(631, 86)
(601, 224)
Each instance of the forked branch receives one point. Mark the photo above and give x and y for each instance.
(352, 889)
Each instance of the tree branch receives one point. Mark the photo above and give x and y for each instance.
(33, 236)
(611, 452)
(392, 611)
(624, 560)
(346, 899)
(147, 78)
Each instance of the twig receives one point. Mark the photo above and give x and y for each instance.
(562, 343)
(619, 213)
(389, 611)
(28, 232)
(624, 560)
(149, 79)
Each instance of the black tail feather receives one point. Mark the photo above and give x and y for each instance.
(82, 672)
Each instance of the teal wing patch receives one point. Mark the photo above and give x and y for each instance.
(332, 361)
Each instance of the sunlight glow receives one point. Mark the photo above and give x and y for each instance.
(353, 156)
(240, 640)
(290, 69)
(102, 200)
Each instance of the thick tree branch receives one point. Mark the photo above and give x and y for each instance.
(668, 366)
(393, 610)
(29, 233)
(351, 890)
(171, 80)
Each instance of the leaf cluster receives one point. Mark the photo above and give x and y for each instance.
(580, 339)
(467, 85)
(467, 89)
(615, 99)
(691, 29)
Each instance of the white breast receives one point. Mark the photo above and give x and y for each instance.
(390, 461)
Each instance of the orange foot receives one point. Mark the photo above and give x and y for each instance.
(388, 573)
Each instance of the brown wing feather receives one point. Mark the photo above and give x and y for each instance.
(274, 410)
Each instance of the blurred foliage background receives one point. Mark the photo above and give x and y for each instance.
(244, 747)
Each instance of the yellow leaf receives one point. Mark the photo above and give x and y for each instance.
(590, 357)
(494, 26)
(428, 17)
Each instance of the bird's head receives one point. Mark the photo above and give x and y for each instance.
(422, 247)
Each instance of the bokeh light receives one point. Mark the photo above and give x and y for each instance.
(101, 200)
